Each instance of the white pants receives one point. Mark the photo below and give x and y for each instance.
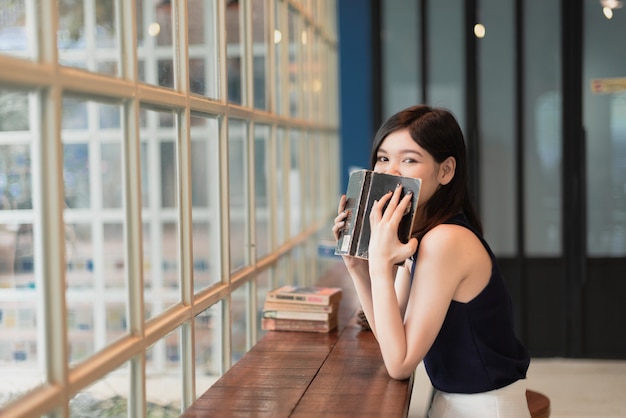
(507, 402)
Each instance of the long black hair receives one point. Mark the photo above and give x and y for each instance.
(437, 131)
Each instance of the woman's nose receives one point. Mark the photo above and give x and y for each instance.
(392, 168)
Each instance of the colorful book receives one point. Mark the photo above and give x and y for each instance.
(271, 305)
(312, 316)
(306, 295)
(364, 187)
(277, 324)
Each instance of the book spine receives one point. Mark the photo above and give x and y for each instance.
(273, 324)
(299, 307)
(310, 299)
(355, 199)
(313, 316)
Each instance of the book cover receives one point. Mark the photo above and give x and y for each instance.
(312, 316)
(364, 187)
(306, 295)
(276, 324)
(271, 305)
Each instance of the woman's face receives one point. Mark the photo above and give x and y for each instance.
(400, 155)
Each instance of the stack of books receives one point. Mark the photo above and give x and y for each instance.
(295, 308)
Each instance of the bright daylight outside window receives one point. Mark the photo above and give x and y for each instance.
(156, 160)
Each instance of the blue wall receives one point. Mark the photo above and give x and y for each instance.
(356, 84)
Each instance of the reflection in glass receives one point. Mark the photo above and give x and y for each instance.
(238, 186)
(208, 340)
(106, 397)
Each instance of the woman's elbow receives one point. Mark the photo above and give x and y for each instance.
(399, 373)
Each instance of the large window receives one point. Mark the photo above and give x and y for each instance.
(161, 168)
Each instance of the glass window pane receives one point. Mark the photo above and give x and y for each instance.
(281, 46)
(205, 201)
(160, 216)
(496, 58)
(262, 185)
(282, 170)
(294, 31)
(155, 50)
(446, 57)
(88, 36)
(106, 397)
(208, 347)
(263, 286)
(15, 38)
(238, 193)
(234, 52)
(239, 314)
(15, 175)
(542, 129)
(163, 376)
(203, 48)
(605, 125)
(116, 320)
(400, 51)
(80, 328)
(259, 52)
(296, 178)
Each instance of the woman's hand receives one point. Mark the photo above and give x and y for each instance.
(351, 263)
(385, 249)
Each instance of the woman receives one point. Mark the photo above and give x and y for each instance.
(446, 304)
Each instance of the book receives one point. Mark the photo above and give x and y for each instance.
(278, 324)
(271, 305)
(306, 295)
(312, 316)
(364, 187)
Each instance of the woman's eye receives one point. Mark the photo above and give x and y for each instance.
(410, 160)
(381, 158)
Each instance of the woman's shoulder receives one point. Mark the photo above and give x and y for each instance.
(450, 240)
(448, 233)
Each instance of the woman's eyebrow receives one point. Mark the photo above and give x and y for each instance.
(402, 151)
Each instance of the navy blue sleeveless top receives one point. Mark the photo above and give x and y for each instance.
(476, 349)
